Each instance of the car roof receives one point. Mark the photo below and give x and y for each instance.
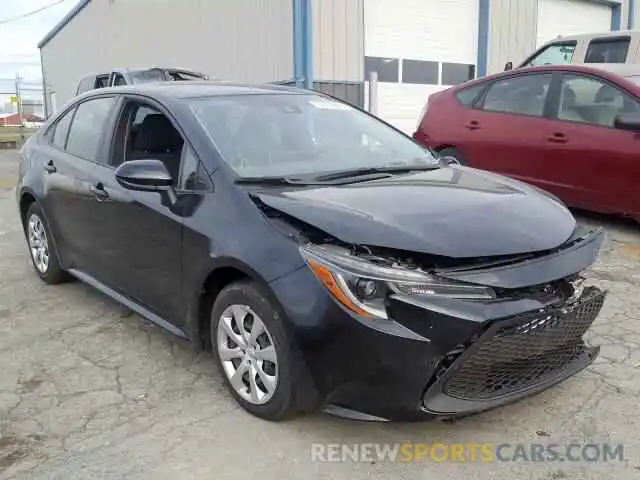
(195, 89)
(615, 72)
(598, 35)
(141, 69)
(622, 69)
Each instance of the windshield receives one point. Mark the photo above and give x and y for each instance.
(278, 135)
(145, 76)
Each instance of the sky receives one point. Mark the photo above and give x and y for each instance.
(19, 39)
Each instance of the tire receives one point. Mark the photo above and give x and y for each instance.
(41, 245)
(244, 302)
(451, 155)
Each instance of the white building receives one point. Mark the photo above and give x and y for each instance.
(416, 46)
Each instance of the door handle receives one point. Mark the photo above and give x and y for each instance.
(98, 191)
(557, 138)
(50, 167)
(473, 125)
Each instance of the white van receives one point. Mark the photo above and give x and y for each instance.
(620, 46)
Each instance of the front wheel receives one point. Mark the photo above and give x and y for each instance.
(254, 352)
(41, 247)
(452, 156)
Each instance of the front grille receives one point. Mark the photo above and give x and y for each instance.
(519, 353)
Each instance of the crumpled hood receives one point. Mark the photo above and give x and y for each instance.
(455, 212)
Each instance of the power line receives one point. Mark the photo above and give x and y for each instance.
(33, 12)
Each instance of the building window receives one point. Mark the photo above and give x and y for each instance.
(420, 71)
(457, 73)
(387, 68)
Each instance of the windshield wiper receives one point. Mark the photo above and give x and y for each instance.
(269, 181)
(357, 172)
(329, 177)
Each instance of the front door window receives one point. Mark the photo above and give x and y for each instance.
(586, 99)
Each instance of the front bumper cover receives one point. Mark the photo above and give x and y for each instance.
(517, 357)
(503, 361)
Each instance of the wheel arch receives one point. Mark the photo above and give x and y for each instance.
(223, 272)
(439, 148)
(27, 198)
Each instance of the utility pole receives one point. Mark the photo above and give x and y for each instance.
(19, 102)
(19, 97)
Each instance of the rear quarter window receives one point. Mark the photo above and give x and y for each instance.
(613, 50)
(468, 96)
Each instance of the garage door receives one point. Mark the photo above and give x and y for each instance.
(418, 47)
(571, 17)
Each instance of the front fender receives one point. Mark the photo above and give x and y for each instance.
(197, 303)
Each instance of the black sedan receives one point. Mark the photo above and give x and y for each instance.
(325, 258)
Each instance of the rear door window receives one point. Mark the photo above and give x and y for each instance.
(555, 54)
(607, 50)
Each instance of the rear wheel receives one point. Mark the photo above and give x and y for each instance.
(41, 247)
(452, 156)
(254, 352)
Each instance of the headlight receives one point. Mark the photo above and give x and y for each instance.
(363, 286)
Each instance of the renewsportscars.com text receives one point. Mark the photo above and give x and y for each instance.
(469, 452)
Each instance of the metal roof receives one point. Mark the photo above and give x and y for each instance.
(62, 23)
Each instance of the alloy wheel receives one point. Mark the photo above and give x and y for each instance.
(38, 243)
(247, 354)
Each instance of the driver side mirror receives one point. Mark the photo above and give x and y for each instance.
(147, 175)
(630, 122)
(508, 66)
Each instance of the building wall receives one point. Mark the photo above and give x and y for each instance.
(512, 31)
(249, 40)
(338, 48)
(338, 40)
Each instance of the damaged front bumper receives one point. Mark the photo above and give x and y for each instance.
(515, 357)
(463, 365)
(444, 357)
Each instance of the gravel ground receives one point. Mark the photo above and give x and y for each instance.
(90, 390)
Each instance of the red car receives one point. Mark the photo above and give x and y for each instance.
(571, 130)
